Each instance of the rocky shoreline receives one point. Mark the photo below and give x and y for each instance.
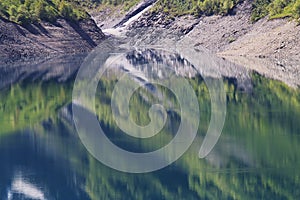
(269, 47)
(18, 44)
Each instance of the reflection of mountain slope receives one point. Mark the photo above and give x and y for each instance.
(61, 69)
(160, 64)
(40, 165)
(21, 187)
(229, 150)
(257, 154)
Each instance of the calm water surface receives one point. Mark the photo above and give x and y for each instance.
(257, 156)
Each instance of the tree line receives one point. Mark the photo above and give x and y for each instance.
(260, 8)
(33, 11)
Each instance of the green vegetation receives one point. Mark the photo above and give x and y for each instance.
(258, 149)
(27, 104)
(33, 11)
(261, 8)
(253, 139)
(276, 9)
(124, 5)
(196, 7)
(296, 10)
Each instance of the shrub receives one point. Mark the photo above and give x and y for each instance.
(196, 7)
(40, 10)
(68, 11)
(274, 9)
(65, 10)
(31, 11)
(259, 9)
(51, 14)
(23, 16)
(13, 12)
(296, 10)
(277, 7)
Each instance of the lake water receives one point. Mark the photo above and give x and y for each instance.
(42, 157)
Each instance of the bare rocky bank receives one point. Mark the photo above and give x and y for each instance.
(19, 43)
(270, 47)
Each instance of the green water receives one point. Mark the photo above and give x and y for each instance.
(257, 156)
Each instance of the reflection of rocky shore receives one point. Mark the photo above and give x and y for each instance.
(160, 63)
(59, 68)
(276, 41)
(287, 71)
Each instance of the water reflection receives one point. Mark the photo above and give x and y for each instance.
(257, 156)
(21, 187)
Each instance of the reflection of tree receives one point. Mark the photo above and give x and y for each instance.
(255, 158)
(268, 143)
(27, 104)
(265, 124)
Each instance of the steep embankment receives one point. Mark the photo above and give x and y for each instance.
(115, 21)
(46, 39)
(270, 47)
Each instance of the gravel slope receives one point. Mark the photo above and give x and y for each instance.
(270, 47)
(46, 40)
